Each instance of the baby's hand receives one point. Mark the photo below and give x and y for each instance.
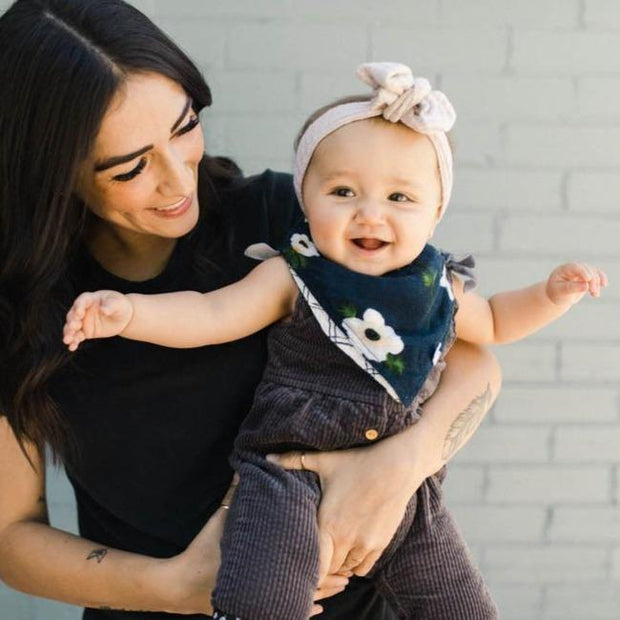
(568, 283)
(96, 315)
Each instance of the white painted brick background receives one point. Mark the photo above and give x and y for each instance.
(536, 84)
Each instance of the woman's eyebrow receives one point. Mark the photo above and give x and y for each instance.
(110, 162)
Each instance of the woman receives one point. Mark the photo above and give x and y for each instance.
(104, 184)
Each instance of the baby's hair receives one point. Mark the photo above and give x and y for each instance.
(349, 99)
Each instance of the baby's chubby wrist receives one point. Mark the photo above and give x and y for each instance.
(552, 297)
(129, 313)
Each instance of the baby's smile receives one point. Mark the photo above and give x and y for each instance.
(369, 243)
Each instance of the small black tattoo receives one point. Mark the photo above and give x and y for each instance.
(466, 423)
(98, 554)
(42, 499)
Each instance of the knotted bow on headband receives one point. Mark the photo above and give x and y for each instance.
(399, 98)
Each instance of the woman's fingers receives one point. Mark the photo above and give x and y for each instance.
(363, 568)
(354, 558)
(332, 584)
(326, 552)
(296, 460)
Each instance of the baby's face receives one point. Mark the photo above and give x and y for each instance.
(372, 195)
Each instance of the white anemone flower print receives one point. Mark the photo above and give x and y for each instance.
(302, 245)
(376, 339)
(446, 283)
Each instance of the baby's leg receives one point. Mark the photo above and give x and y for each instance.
(431, 575)
(270, 552)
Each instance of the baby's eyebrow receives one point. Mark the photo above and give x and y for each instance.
(337, 174)
(405, 182)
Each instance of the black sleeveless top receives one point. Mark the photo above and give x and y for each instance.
(154, 425)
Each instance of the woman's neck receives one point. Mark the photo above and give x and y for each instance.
(127, 254)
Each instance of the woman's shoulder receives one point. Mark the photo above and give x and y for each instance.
(269, 189)
(265, 204)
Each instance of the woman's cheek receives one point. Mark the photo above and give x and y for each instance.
(198, 145)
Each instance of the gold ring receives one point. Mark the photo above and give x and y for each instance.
(225, 506)
(303, 463)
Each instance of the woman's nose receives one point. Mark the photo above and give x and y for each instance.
(177, 175)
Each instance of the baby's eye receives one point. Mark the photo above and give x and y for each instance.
(398, 197)
(343, 192)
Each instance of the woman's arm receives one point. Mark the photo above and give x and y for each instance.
(40, 560)
(366, 490)
(186, 319)
(513, 315)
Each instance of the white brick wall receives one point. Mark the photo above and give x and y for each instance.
(536, 84)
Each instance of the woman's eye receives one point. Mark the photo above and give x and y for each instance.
(127, 176)
(193, 122)
(343, 192)
(398, 197)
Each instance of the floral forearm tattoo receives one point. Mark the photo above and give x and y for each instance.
(97, 554)
(466, 423)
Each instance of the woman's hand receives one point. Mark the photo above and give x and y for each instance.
(190, 576)
(365, 495)
(366, 490)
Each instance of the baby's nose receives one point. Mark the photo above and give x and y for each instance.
(369, 212)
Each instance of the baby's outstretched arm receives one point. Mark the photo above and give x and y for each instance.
(187, 318)
(513, 315)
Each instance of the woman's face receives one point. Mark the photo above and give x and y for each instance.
(142, 174)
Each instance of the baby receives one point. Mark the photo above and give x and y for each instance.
(364, 312)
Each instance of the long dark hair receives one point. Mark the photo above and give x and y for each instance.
(61, 62)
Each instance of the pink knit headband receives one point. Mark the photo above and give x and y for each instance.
(398, 97)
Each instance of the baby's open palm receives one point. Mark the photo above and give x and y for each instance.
(101, 314)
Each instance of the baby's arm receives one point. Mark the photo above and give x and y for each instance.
(513, 315)
(186, 319)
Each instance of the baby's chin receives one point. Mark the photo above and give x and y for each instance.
(369, 268)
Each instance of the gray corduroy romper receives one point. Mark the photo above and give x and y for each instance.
(313, 397)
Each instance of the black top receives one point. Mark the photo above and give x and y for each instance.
(155, 425)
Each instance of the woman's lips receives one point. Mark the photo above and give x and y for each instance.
(175, 210)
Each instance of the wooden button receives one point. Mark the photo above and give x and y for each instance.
(371, 434)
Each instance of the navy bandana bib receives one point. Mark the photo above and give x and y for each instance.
(394, 326)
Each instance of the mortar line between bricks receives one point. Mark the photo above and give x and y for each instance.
(486, 483)
(551, 443)
(613, 481)
(497, 231)
(609, 561)
(510, 48)
(547, 523)
(564, 195)
(544, 601)
(581, 17)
